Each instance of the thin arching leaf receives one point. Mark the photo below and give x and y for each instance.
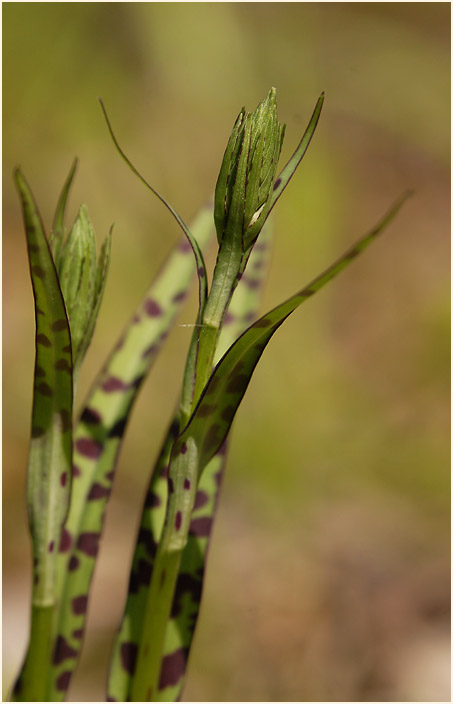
(191, 363)
(57, 233)
(49, 468)
(242, 310)
(97, 440)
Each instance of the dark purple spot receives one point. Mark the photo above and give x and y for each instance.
(228, 413)
(152, 349)
(184, 246)
(218, 476)
(144, 569)
(251, 283)
(66, 348)
(65, 419)
(43, 340)
(51, 546)
(38, 271)
(98, 491)
(63, 478)
(173, 668)
(39, 311)
(44, 389)
(74, 562)
(237, 384)
(33, 248)
(229, 318)
(76, 471)
(118, 429)
(152, 308)
(258, 264)
(36, 579)
(63, 681)
(78, 633)
(39, 371)
(263, 323)
(88, 543)
(129, 656)
(79, 604)
(179, 297)
(63, 366)
(201, 527)
(137, 382)
(63, 651)
(201, 272)
(186, 484)
(152, 500)
(171, 486)
(88, 448)
(110, 476)
(211, 441)
(37, 432)
(114, 384)
(90, 416)
(308, 292)
(112, 699)
(59, 325)
(222, 449)
(277, 183)
(186, 584)
(201, 499)
(212, 386)
(183, 449)
(65, 541)
(164, 472)
(205, 410)
(146, 537)
(178, 520)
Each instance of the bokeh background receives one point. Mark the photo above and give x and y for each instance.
(329, 570)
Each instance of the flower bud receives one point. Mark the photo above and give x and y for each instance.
(245, 184)
(82, 282)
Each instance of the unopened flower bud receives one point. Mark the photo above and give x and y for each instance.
(245, 184)
(82, 282)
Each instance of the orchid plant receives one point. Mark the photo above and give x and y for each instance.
(72, 462)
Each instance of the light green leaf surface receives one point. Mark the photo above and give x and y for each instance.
(49, 468)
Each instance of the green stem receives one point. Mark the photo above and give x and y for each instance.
(183, 475)
(32, 685)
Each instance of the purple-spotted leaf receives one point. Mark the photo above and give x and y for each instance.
(186, 603)
(97, 440)
(49, 467)
(212, 418)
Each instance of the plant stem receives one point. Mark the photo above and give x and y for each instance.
(32, 685)
(183, 477)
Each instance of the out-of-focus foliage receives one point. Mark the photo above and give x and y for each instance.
(329, 572)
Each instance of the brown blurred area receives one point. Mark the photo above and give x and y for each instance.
(329, 573)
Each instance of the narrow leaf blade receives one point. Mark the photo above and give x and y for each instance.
(49, 469)
(98, 435)
(226, 387)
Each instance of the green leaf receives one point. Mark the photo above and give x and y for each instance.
(226, 387)
(57, 233)
(98, 435)
(186, 604)
(49, 468)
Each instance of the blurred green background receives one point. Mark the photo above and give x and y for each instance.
(329, 570)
